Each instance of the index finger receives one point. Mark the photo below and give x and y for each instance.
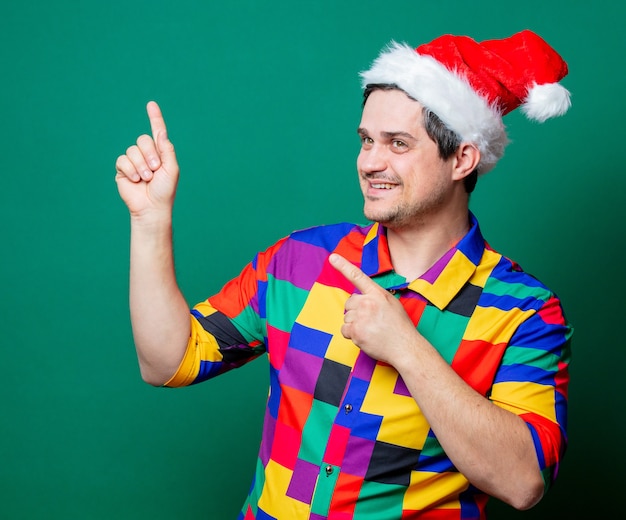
(353, 274)
(157, 123)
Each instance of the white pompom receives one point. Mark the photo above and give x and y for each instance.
(546, 101)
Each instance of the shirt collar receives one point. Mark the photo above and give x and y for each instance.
(442, 282)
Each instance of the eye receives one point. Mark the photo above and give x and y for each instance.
(366, 140)
(398, 145)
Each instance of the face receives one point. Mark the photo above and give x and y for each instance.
(403, 179)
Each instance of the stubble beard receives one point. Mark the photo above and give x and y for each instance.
(406, 214)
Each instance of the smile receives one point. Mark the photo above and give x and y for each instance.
(382, 186)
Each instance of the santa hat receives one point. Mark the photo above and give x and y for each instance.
(471, 85)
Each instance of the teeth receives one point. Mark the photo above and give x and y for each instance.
(382, 186)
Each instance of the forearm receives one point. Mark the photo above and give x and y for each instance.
(159, 312)
(491, 446)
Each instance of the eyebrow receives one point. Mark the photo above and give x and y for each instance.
(388, 135)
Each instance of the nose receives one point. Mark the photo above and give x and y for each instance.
(372, 159)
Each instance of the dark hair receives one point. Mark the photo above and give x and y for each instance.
(447, 140)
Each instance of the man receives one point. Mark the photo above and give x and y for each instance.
(414, 371)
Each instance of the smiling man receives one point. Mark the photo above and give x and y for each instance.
(414, 371)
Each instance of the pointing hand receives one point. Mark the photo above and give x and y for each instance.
(374, 319)
(147, 175)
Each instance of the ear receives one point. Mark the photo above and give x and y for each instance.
(466, 160)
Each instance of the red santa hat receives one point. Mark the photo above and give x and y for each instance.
(471, 85)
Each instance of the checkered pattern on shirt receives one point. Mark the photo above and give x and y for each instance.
(343, 439)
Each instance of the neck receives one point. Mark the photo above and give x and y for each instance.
(414, 250)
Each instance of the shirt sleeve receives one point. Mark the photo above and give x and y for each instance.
(227, 329)
(533, 381)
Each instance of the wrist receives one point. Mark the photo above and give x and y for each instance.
(151, 220)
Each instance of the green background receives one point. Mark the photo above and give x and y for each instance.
(262, 100)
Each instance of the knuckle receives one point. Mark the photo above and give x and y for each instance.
(144, 140)
(346, 331)
(356, 274)
(120, 161)
(369, 305)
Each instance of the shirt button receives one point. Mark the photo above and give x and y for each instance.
(348, 408)
(329, 470)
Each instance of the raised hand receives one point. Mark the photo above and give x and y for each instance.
(374, 320)
(147, 175)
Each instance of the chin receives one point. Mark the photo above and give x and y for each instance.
(381, 212)
(382, 218)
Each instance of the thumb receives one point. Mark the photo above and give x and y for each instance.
(166, 150)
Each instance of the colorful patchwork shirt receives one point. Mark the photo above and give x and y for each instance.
(342, 438)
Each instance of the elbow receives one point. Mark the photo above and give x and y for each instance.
(153, 377)
(156, 370)
(527, 495)
(152, 380)
(523, 503)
